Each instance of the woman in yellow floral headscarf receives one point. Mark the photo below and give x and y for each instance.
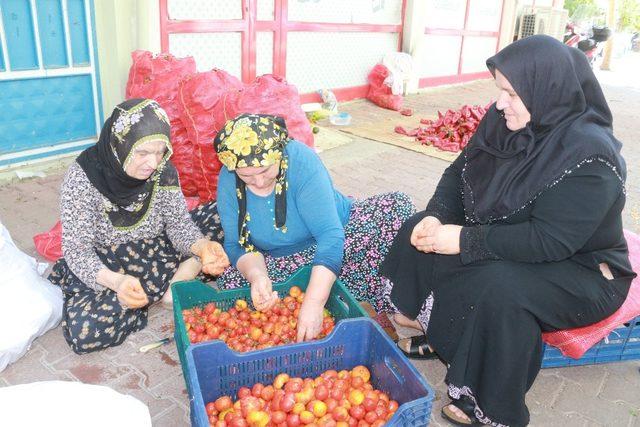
(280, 211)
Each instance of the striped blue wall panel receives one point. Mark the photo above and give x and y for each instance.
(78, 30)
(1, 56)
(45, 112)
(52, 37)
(18, 26)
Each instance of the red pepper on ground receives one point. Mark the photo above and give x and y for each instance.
(451, 131)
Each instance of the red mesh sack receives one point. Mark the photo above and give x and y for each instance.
(210, 99)
(379, 93)
(199, 98)
(158, 78)
(270, 94)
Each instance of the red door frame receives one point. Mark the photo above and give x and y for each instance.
(280, 26)
(460, 77)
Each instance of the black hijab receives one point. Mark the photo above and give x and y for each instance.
(132, 123)
(570, 123)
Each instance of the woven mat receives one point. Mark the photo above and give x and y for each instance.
(382, 130)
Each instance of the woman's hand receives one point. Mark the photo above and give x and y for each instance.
(130, 292)
(212, 256)
(262, 294)
(310, 319)
(446, 240)
(424, 232)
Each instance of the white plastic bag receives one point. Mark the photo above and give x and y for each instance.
(29, 304)
(70, 404)
(401, 69)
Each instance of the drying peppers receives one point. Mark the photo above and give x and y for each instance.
(451, 131)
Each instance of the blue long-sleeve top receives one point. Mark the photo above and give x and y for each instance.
(316, 213)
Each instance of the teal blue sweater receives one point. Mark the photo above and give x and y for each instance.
(316, 213)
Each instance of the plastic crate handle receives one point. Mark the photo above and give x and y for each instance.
(342, 297)
(395, 370)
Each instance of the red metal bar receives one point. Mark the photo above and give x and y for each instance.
(164, 34)
(464, 33)
(249, 66)
(277, 37)
(266, 26)
(459, 78)
(342, 28)
(283, 30)
(466, 23)
(342, 94)
(500, 26)
(401, 35)
(205, 26)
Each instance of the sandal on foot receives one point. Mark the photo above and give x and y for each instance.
(466, 405)
(418, 348)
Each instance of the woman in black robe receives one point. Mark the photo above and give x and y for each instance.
(523, 234)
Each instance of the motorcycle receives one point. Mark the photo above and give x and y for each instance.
(591, 44)
(635, 42)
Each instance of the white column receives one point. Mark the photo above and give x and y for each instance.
(413, 38)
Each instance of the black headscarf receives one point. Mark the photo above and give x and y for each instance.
(132, 123)
(570, 123)
(255, 140)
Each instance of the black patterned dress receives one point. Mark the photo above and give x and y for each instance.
(150, 250)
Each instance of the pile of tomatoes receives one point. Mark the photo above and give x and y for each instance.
(244, 329)
(334, 399)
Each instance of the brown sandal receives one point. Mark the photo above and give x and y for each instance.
(466, 405)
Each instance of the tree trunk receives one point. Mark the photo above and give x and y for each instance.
(608, 47)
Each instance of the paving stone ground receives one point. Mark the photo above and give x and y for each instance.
(603, 395)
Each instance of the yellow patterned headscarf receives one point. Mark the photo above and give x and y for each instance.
(255, 140)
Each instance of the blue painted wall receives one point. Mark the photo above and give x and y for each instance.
(78, 30)
(52, 39)
(18, 26)
(45, 112)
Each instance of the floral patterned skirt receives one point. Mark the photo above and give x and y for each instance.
(93, 320)
(373, 224)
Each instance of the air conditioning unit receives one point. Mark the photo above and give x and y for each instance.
(542, 20)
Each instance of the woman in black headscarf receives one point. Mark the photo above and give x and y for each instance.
(523, 234)
(126, 232)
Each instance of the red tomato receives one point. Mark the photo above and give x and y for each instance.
(369, 405)
(223, 403)
(211, 408)
(278, 417)
(370, 417)
(357, 412)
(210, 307)
(267, 393)
(256, 390)
(244, 392)
(321, 392)
(293, 420)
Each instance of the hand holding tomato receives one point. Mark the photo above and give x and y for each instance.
(130, 292)
(212, 255)
(262, 294)
(310, 320)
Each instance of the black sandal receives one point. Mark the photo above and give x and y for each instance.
(466, 405)
(418, 349)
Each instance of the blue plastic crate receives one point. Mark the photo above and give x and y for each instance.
(215, 370)
(623, 343)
